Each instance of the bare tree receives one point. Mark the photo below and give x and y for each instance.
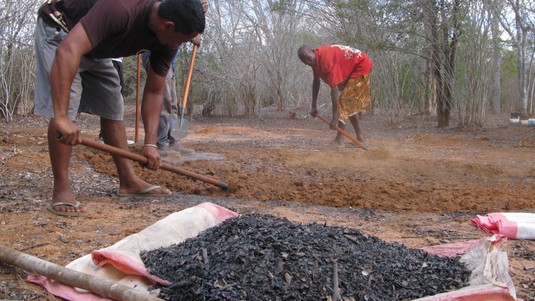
(251, 50)
(445, 29)
(17, 21)
(518, 29)
(475, 70)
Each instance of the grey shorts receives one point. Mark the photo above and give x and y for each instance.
(96, 88)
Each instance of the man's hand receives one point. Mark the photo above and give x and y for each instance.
(67, 132)
(334, 124)
(153, 157)
(196, 40)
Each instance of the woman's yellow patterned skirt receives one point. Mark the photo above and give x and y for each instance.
(355, 98)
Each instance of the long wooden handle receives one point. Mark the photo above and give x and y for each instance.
(129, 155)
(358, 143)
(99, 286)
(188, 79)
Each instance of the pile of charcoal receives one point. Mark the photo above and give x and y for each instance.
(262, 257)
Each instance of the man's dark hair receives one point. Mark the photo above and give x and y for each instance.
(303, 49)
(187, 15)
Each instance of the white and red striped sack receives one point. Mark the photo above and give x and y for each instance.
(514, 225)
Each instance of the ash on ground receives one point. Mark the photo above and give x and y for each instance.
(262, 257)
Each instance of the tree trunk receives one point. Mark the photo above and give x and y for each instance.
(450, 27)
(436, 64)
(430, 95)
(521, 50)
(496, 84)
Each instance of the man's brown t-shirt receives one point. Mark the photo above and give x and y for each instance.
(115, 28)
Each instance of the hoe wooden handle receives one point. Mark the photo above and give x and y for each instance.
(188, 79)
(129, 155)
(358, 143)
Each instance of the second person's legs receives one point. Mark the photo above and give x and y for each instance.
(355, 121)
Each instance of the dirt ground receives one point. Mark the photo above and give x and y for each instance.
(416, 185)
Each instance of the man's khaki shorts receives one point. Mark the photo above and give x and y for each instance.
(96, 87)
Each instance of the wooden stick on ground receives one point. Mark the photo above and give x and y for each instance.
(99, 286)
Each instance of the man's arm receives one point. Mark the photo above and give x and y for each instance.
(315, 91)
(196, 40)
(335, 94)
(64, 69)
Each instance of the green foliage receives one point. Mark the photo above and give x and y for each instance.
(509, 64)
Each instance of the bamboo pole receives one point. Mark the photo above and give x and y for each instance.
(93, 284)
(188, 82)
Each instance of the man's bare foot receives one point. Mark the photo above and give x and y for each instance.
(337, 143)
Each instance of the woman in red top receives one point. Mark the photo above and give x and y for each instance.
(347, 71)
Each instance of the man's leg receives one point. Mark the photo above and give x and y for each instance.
(114, 134)
(60, 156)
(171, 99)
(355, 121)
(163, 137)
(171, 124)
(47, 38)
(339, 139)
(163, 127)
